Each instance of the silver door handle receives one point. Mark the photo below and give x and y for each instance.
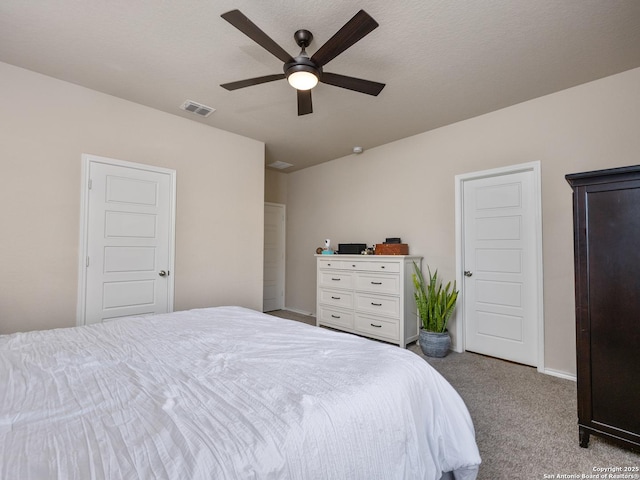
(162, 273)
(467, 273)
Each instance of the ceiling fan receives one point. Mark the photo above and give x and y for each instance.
(304, 72)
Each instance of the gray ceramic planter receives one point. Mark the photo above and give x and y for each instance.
(434, 344)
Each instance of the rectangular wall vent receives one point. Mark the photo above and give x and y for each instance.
(197, 108)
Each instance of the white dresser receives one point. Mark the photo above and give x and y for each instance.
(369, 295)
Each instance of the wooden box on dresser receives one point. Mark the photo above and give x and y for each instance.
(606, 206)
(369, 295)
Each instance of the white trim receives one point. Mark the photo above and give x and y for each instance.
(537, 201)
(83, 247)
(559, 374)
(87, 159)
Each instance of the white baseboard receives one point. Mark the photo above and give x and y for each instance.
(559, 374)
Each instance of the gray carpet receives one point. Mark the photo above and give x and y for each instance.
(308, 319)
(526, 422)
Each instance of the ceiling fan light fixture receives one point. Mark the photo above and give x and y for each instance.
(302, 78)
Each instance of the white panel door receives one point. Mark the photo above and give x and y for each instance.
(500, 299)
(274, 257)
(129, 242)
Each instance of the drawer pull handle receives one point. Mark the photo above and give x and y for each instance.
(376, 283)
(376, 304)
(335, 316)
(354, 266)
(377, 326)
(335, 298)
(381, 266)
(335, 279)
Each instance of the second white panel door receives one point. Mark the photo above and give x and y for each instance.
(274, 257)
(500, 301)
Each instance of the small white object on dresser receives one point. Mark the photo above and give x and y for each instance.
(369, 295)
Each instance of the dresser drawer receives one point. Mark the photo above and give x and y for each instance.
(330, 264)
(337, 298)
(378, 327)
(335, 279)
(335, 317)
(370, 282)
(378, 305)
(371, 266)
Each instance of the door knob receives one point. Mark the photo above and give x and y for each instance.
(162, 273)
(467, 273)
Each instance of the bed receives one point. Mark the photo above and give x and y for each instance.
(224, 393)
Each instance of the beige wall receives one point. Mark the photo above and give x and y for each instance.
(45, 126)
(275, 186)
(406, 189)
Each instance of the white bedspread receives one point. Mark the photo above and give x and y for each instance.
(224, 393)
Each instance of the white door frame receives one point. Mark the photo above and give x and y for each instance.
(537, 206)
(87, 159)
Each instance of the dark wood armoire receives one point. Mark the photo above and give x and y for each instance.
(606, 223)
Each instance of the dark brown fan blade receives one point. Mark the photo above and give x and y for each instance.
(352, 83)
(251, 30)
(355, 29)
(304, 102)
(252, 81)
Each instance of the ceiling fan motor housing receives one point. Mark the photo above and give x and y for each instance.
(302, 64)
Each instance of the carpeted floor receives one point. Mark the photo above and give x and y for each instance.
(525, 421)
(308, 319)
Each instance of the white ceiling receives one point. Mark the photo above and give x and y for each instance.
(442, 60)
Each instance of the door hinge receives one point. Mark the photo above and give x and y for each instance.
(90, 184)
(87, 261)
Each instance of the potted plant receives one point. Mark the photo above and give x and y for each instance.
(435, 305)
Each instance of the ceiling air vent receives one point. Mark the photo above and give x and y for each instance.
(197, 108)
(280, 165)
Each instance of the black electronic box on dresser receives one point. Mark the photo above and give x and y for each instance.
(606, 223)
